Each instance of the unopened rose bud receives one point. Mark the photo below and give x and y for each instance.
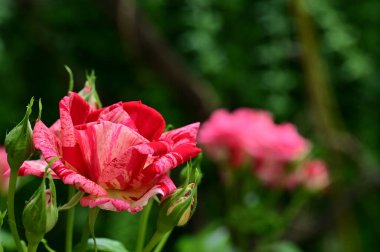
(315, 175)
(178, 208)
(41, 212)
(89, 92)
(19, 142)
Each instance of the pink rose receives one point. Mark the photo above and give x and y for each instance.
(4, 170)
(250, 133)
(118, 155)
(271, 172)
(225, 136)
(279, 142)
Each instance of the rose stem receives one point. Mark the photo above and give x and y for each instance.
(153, 241)
(161, 245)
(85, 235)
(143, 225)
(70, 222)
(11, 210)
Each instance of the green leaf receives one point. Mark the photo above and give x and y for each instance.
(212, 238)
(281, 246)
(105, 245)
(7, 241)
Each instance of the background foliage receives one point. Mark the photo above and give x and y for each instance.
(234, 53)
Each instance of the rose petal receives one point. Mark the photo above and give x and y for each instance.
(36, 168)
(176, 157)
(148, 121)
(130, 201)
(107, 151)
(73, 111)
(183, 135)
(44, 140)
(182, 148)
(56, 128)
(78, 107)
(117, 114)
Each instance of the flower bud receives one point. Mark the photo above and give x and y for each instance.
(19, 142)
(89, 92)
(177, 209)
(315, 175)
(41, 212)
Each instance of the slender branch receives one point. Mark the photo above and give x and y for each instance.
(141, 38)
(328, 120)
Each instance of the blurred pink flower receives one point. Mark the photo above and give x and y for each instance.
(270, 171)
(225, 136)
(252, 134)
(4, 170)
(277, 142)
(248, 132)
(314, 175)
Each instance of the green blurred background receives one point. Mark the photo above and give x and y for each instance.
(313, 63)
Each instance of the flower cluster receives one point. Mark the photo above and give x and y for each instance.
(248, 134)
(119, 155)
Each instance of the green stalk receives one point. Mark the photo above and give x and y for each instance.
(32, 247)
(297, 203)
(92, 215)
(143, 225)
(11, 209)
(84, 239)
(162, 243)
(153, 241)
(70, 222)
(89, 229)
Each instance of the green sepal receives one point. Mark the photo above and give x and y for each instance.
(92, 215)
(71, 80)
(72, 202)
(19, 141)
(39, 109)
(104, 245)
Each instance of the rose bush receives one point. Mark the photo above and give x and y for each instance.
(119, 155)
